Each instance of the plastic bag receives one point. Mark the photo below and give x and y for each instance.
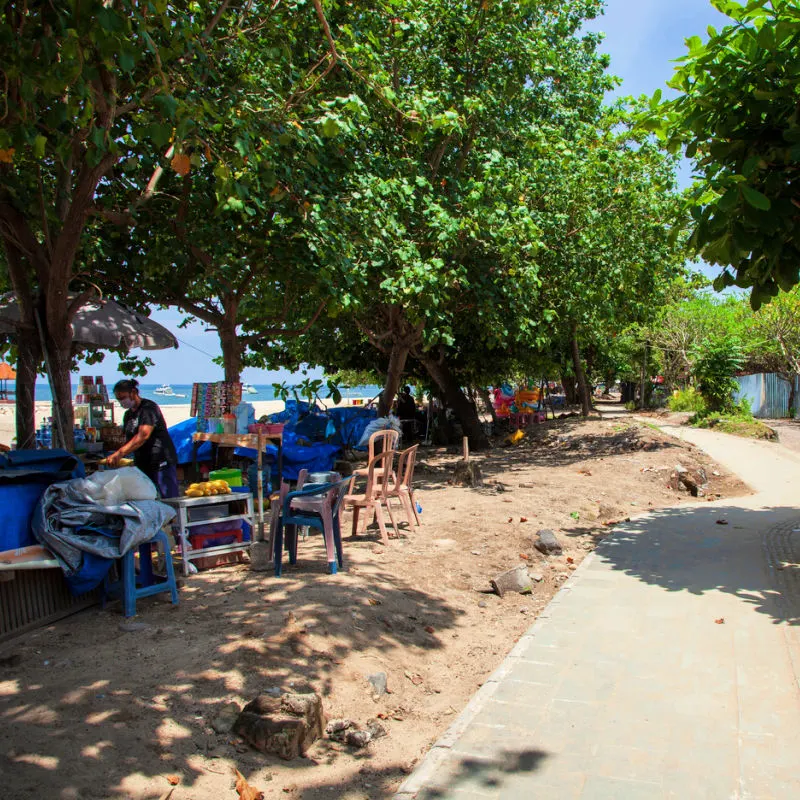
(381, 424)
(114, 487)
(245, 416)
(136, 485)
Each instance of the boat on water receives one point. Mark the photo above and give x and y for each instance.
(165, 390)
(248, 388)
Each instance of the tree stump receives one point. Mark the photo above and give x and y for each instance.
(467, 473)
(285, 726)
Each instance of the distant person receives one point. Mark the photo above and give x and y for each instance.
(147, 437)
(406, 407)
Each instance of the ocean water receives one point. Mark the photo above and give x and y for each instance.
(263, 392)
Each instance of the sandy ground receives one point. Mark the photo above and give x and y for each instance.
(172, 414)
(92, 709)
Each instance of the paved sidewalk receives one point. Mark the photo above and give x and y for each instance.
(667, 666)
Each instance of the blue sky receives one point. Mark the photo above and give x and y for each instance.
(643, 37)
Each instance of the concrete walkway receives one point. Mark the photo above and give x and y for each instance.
(667, 666)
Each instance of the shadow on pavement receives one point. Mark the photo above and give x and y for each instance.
(476, 775)
(752, 554)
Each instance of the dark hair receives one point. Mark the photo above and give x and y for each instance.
(407, 390)
(126, 385)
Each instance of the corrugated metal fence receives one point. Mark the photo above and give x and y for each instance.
(768, 395)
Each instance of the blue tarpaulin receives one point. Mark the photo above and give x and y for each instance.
(315, 457)
(24, 476)
(181, 435)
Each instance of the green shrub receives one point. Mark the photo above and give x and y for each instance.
(687, 400)
(716, 362)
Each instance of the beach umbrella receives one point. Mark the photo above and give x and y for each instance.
(6, 374)
(100, 323)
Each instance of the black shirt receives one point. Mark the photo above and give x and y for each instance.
(158, 450)
(406, 407)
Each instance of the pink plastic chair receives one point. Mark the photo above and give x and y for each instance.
(401, 487)
(374, 498)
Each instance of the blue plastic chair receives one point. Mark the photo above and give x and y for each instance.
(315, 507)
(131, 586)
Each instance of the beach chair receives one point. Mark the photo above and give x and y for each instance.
(401, 487)
(374, 498)
(379, 442)
(316, 507)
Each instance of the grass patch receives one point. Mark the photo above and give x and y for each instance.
(735, 424)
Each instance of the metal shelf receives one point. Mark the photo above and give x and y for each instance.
(215, 520)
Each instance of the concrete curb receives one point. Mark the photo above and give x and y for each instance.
(441, 749)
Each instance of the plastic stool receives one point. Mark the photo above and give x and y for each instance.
(130, 587)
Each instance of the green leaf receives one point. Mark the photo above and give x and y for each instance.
(167, 104)
(756, 199)
(127, 61)
(39, 145)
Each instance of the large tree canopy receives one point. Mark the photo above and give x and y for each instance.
(737, 116)
(98, 100)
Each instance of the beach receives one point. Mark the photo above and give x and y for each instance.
(173, 414)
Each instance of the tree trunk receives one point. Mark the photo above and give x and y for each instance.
(28, 359)
(487, 402)
(397, 363)
(570, 394)
(580, 375)
(232, 353)
(59, 363)
(457, 400)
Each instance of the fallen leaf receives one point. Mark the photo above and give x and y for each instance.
(429, 629)
(722, 522)
(524, 556)
(373, 602)
(570, 560)
(720, 621)
(173, 780)
(245, 790)
(511, 519)
(523, 519)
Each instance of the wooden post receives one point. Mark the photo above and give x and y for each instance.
(466, 448)
(260, 483)
(642, 390)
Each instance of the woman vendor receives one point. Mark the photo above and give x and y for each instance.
(147, 437)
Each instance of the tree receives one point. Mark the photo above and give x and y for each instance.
(775, 330)
(609, 251)
(433, 223)
(99, 100)
(737, 117)
(684, 323)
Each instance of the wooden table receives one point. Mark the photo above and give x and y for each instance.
(255, 441)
